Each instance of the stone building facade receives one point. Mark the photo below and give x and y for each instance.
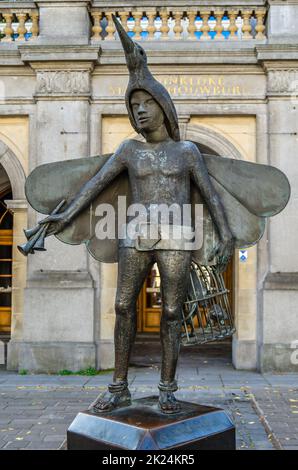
(232, 70)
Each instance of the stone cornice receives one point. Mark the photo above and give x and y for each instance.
(185, 69)
(282, 2)
(184, 52)
(10, 56)
(17, 5)
(270, 56)
(17, 205)
(11, 70)
(281, 281)
(277, 52)
(44, 53)
(59, 3)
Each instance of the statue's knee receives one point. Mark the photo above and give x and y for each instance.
(171, 313)
(124, 309)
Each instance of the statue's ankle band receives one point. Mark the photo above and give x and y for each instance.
(117, 387)
(168, 386)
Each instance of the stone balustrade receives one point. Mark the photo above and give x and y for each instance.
(181, 22)
(19, 21)
(175, 20)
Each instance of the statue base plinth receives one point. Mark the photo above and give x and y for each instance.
(141, 426)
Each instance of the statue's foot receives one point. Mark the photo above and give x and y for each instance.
(111, 401)
(168, 403)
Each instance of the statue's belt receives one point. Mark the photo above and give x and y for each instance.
(148, 236)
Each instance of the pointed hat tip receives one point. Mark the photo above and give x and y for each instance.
(127, 43)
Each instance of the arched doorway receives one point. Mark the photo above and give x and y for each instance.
(13, 217)
(6, 243)
(149, 300)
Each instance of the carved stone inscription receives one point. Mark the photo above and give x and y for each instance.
(66, 82)
(191, 85)
(282, 81)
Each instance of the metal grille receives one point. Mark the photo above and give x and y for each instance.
(207, 313)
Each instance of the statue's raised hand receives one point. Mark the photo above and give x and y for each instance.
(57, 223)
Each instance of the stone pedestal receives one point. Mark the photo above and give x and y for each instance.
(142, 426)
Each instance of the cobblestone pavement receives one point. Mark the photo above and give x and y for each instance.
(36, 410)
(278, 405)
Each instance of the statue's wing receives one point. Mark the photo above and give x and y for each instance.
(249, 192)
(263, 189)
(246, 227)
(48, 184)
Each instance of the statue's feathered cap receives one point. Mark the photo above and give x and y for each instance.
(140, 78)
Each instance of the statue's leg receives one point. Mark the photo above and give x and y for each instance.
(133, 268)
(174, 269)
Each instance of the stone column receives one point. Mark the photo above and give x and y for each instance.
(280, 292)
(19, 273)
(244, 352)
(58, 327)
(183, 120)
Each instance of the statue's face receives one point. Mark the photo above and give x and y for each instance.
(146, 111)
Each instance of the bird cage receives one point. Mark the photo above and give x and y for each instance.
(207, 313)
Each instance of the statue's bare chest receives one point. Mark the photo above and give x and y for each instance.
(159, 162)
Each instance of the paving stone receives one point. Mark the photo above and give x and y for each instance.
(54, 438)
(16, 445)
(23, 422)
(42, 446)
(4, 421)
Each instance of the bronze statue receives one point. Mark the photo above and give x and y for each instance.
(161, 170)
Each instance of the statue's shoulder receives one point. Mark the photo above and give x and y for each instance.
(125, 148)
(189, 148)
(131, 143)
(127, 144)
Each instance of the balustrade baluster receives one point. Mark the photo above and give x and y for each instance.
(205, 15)
(219, 27)
(246, 27)
(151, 24)
(21, 17)
(8, 31)
(34, 28)
(178, 27)
(111, 28)
(233, 14)
(96, 28)
(260, 27)
(137, 15)
(164, 25)
(191, 25)
(123, 17)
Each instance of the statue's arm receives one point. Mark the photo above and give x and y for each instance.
(114, 165)
(200, 176)
(88, 192)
